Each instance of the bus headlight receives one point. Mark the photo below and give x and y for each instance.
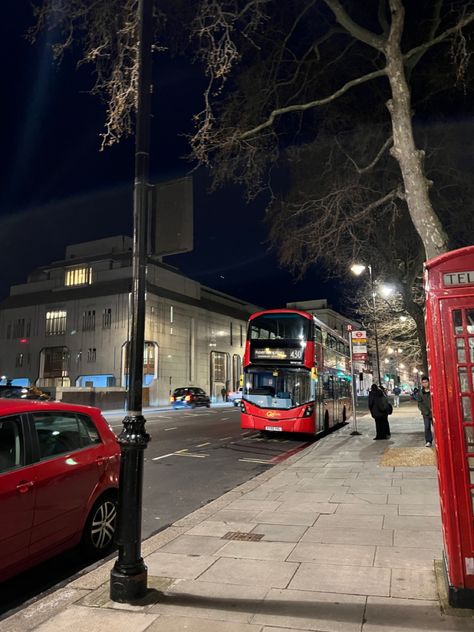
(242, 407)
(308, 411)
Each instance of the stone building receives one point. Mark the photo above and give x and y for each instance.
(67, 328)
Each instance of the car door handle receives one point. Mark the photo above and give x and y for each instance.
(24, 486)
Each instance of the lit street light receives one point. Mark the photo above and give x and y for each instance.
(357, 269)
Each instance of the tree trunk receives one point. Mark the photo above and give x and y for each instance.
(410, 159)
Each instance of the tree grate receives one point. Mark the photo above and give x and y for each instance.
(246, 537)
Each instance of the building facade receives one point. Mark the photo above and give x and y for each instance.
(68, 326)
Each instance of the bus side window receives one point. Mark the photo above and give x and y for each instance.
(317, 334)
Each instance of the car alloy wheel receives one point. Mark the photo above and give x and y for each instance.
(100, 527)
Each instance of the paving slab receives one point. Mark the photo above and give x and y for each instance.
(367, 509)
(178, 566)
(412, 537)
(218, 528)
(306, 610)
(257, 550)
(345, 554)
(244, 504)
(421, 523)
(344, 535)
(272, 574)
(306, 518)
(359, 498)
(406, 615)
(280, 532)
(357, 521)
(185, 624)
(406, 557)
(355, 580)
(413, 583)
(208, 600)
(419, 510)
(82, 619)
(193, 544)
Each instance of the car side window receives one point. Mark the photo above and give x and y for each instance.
(61, 433)
(11, 444)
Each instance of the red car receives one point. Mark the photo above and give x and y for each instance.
(59, 471)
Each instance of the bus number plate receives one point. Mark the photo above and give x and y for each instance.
(273, 428)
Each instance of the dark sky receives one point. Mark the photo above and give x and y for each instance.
(58, 188)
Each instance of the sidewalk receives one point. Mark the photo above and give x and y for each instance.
(328, 541)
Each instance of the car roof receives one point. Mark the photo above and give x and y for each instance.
(11, 406)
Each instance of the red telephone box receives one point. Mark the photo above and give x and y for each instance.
(449, 286)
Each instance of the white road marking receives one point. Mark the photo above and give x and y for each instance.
(256, 461)
(194, 456)
(164, 456)
(166, 429)
(200, 445)
(225, 418)
(225, 438)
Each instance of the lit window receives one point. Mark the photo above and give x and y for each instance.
(56, 323)
(19, 360)
(78, 276)
(91, 355)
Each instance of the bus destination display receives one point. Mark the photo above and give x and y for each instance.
(267, 353)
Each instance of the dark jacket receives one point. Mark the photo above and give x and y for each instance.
(424, 402)
(378, 404)
(397, 390)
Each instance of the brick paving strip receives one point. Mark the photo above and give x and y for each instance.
(336, 539)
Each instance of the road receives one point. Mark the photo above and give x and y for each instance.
(194, 456)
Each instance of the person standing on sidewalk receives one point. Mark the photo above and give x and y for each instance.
(396, 396)
(379, 407)
(424, 404)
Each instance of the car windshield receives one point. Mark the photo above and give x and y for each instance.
(181, 391)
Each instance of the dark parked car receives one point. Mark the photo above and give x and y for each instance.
(59, 469)
(189, 397)
(22, 392)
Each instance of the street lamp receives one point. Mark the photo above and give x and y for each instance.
(128, 578)
(357, 269)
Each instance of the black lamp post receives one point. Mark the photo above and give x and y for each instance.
(128, 578)
(357, 269)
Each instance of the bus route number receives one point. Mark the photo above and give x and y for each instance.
(296, 354)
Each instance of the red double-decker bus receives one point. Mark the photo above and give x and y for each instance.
(296, 374)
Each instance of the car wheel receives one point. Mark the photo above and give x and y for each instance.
(99, 530)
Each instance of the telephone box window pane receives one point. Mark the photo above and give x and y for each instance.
(457, 321)
(470, 465)
(463, 380)
(469, 436)
(470, 321)
(470, 342)
(460, 350)
(466, 408)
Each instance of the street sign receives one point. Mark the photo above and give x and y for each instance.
(359, 346)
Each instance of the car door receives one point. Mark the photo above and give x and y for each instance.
(69, 469)
(17, 494)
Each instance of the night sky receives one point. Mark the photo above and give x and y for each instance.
(58, 188)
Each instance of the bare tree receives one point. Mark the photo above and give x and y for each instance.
(304, 51)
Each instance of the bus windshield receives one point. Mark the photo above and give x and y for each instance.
(279, 326)
(281, 388)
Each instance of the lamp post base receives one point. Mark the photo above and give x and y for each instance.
(125, 588)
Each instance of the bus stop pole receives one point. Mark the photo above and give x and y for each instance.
(354, 398)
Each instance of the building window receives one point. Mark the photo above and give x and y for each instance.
(236, 371)
(149, 358)
(241, 335)
(107, 318)
(19, 328)
(91, 355)
(56, 323)
(88, 320)
(28, 329)
(78, 276)
(19, 360)
(9, 331)
(231, 335)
